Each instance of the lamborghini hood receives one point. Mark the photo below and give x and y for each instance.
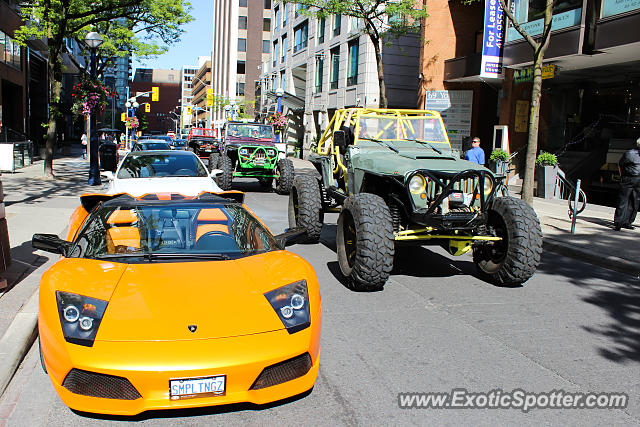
(198, 300)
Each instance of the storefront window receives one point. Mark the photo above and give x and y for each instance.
(616, 7)
(10, 52)
(567, 13)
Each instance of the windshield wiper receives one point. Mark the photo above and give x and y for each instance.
(420, 141)
(157, 255)
(383, 143)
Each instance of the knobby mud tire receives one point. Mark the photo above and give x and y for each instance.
(516, 258)
(226, 177)
(365, 242)
(305, 207)
(213, 161)
(287, 173)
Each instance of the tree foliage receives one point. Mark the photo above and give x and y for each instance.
(140, 27)
(382, 19)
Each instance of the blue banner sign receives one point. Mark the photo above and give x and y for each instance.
(616, 7)
(492, 40)
(566, 19)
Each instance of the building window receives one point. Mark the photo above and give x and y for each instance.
(10, 52)
(337, 23)
(242, 45)
(239, 89)
(283, 80)
(300, 8)
(335, 67)
(242, 3)
(352, 70)
(285, 14)
(276, 12)
(267, 4)
(319, 71)
(266, 24)
(284, 48)
(266, 45)
(301, 36)
(242, 22)
(321, 25)
(354, 24)
(275, 53)
(241, 68)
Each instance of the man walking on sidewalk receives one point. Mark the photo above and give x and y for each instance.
(629, 198)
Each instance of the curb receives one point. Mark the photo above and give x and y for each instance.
(606, 261)
(17, 340)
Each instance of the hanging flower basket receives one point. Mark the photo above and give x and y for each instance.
(278, 121)
(90, 97)
(132, 122)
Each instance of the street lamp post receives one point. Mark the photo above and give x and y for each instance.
(279, 94)
(131, 106)
(93, 40)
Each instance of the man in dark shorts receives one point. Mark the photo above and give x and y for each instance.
(629, 197)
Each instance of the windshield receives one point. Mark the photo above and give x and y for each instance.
(401, 128)
(161, 165)
(155, 146)
(172, 231)
(256, 131)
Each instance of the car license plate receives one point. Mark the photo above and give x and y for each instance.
(258, 161)
(197, 387)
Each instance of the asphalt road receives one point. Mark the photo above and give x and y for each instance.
(435, 327)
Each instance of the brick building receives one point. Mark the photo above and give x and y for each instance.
(160, 119)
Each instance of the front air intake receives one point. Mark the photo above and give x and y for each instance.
(282, 372)
(100, 385)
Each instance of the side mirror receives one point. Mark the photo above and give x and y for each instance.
(215, 172)
(340, 139)
(51, 243)
(107, 175)
(291, 236)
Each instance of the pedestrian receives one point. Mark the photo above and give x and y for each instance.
(83, 140)
(629, 197)
(475, 154)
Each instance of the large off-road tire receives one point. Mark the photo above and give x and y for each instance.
(305, 207)
(226, 177)
(213, 161)
(286, 172)
(365, 243)
(513, 260)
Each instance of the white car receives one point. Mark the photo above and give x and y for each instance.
(143, 172)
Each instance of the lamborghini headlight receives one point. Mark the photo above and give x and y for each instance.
(488, 185)
(417, 184)
(80, 317)
(291, 304)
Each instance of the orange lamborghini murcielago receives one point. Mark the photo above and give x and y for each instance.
(167, 301)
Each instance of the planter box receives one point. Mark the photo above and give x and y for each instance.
(499, 167)
(546, 177)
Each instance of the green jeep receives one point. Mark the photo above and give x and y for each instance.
(395, 180)
(248, 150)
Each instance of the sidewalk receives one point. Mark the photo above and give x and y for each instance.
(594, 240)
(44, 206)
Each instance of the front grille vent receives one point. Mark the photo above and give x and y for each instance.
(100, 385)
(282, 372)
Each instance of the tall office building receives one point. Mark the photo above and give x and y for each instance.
(240, 44)
(186, 95)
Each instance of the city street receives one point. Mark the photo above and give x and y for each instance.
(435, 327)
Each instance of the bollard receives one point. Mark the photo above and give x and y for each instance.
(575, 207)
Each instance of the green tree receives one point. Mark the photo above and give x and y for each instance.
(382, 19)
(539, 46)
(140, 27)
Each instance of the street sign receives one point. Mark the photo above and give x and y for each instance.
(123, 117)
(147, 107)
(155, 93)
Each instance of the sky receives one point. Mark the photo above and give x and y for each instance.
(195, 41)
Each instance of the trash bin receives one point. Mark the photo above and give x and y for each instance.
(108, 153)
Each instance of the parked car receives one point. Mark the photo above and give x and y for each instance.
(169, 171)
(179, 302)
(151, 144)
(180, 144)
(395, 180)
(248, 150)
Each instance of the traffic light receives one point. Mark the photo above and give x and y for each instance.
(188, 110)
(155, 93)
(147, 108)
(123, 117)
